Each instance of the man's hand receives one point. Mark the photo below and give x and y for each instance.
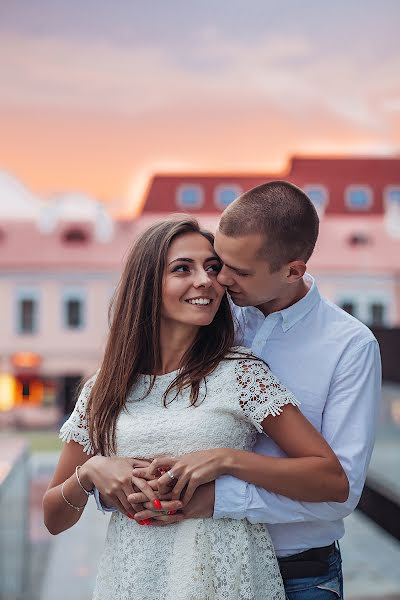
(201, 506)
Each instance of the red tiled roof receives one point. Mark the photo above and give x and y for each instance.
(333, 173)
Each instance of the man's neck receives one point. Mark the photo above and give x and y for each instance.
(296, 292)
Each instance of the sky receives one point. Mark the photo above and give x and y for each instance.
(97, 96)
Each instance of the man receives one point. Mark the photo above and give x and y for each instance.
(328, 359)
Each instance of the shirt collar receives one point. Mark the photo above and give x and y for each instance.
(292, 314)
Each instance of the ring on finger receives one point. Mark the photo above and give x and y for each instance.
(171, 475)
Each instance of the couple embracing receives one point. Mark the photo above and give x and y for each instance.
(231, 423)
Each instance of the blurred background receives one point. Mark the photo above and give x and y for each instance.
(113, 115)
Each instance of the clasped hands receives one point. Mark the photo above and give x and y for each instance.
(144, 491)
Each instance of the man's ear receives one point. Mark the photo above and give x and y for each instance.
(296, 270)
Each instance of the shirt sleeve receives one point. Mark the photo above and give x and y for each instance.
(348, 424)
(100, 506)
(260, 393)
(76, 427)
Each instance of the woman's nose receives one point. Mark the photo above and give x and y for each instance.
(202, 280)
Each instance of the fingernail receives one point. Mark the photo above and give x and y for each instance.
(157, 503)
(141, 523)
(131, 516)
(147, 521)
(171, 512)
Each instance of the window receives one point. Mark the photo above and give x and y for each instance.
(74, 313)
(27, 307)
(27, 315)
(392, 197)
(75, 236)
(225, 195)
(358, 197)
(377, 314)
(359, 239)
(318, 195)
(349, 307)
(189, 197)
(73, 301)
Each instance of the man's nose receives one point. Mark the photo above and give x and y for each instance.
(224, 278)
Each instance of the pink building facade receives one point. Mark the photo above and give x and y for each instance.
(59, 264)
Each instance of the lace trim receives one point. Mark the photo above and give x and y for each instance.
(261, 393)
(69, 432)
(76, 428)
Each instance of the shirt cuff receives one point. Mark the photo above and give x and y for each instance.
(99, 504)
(230, 498)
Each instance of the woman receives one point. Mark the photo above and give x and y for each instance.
(170, 383)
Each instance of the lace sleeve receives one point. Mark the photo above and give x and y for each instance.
(76, 428)
(260, 393)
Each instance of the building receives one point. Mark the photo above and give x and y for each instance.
(59, 265)
(60, 262)
(356, 259)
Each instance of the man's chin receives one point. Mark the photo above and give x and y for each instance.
(238, 299)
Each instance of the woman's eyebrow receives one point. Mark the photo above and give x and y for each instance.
(190, 260)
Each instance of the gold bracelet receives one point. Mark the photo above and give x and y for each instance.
(78, 508)
(87, 492)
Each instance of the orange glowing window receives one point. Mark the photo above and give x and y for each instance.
(26, 360)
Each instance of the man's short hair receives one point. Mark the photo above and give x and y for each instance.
(282, 213)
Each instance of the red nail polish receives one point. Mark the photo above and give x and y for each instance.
(147, 521)
(141, 523)
(157, 504)
(130, 516)
(171, 512)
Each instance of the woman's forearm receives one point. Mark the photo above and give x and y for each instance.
(58, 514)
(309, 479)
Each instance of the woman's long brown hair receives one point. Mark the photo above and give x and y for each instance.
(133, 345)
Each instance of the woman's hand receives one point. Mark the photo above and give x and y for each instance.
(158, 510)
(201, 506)
(190, 471)
(112, 476)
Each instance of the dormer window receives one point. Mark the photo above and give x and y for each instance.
(318, 195)
(189, 197)
(225, 195)
(75, 235)
(358, 197)
(392, 197)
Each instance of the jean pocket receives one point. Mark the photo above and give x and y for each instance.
(328, 589)
(332, 587)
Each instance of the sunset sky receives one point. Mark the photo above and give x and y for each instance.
(97, 95)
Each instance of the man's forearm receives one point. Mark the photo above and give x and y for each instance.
(308, 479)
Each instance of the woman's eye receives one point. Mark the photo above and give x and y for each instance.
(215, 268)
(180, 269)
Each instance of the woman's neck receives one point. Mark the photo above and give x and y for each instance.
(175, 341)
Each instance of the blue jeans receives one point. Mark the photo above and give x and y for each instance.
(323, 587)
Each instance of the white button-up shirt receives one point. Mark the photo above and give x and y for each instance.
(331, 362)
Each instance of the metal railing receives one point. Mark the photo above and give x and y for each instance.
(14, 515)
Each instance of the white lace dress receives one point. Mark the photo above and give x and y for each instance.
(197, 559)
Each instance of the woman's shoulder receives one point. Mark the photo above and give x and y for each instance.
(240, 359)
(240, 352)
